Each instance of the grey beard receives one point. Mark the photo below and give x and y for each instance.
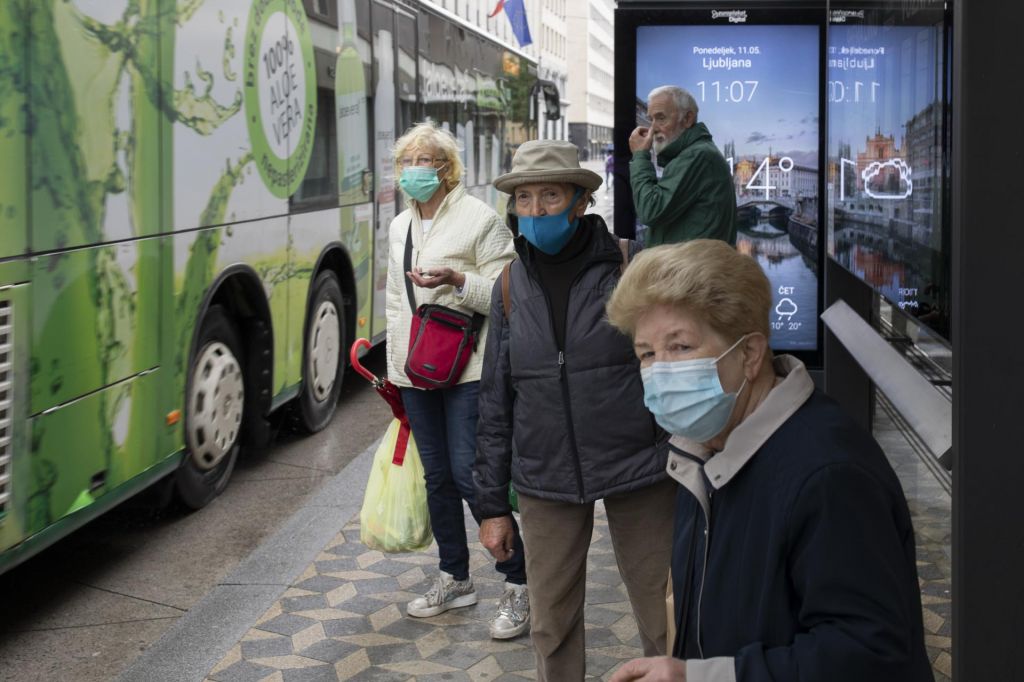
(658, 146)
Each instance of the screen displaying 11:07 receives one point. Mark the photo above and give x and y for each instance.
(757, 90)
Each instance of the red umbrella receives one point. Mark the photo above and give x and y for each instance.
(391, 395)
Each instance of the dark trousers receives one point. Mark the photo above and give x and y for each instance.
(443, 423)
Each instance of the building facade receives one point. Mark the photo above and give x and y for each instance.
(591, 27)
(550, 47)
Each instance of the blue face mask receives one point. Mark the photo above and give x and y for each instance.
(419, 182)
(686, 396)
(550, 233)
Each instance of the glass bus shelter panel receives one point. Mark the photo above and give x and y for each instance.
(888, 150)
(13, 162)
(94, 150)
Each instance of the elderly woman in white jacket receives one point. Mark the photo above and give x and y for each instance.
(459, 247)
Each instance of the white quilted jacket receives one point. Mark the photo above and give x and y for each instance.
(466, 236)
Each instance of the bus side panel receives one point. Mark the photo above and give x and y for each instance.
(214, 151)
(91, 325)
(93, 168)
(79, 451)
(309, 233)
(13, 169)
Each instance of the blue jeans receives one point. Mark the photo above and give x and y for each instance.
(443, 423)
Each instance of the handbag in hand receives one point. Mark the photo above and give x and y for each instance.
(441, 339)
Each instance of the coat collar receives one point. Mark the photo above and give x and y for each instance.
(447, 204)
(695, 467)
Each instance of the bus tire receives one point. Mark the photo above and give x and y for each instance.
(323, 366)
(214, 411)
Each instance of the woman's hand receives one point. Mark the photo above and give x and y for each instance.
(431, 278)
(497, 536)
(659, 669)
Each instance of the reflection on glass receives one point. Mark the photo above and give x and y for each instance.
(888, 154)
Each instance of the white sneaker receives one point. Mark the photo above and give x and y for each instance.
(446, 593)
(513, 616)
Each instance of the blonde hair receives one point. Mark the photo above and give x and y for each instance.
(427, 136)
(725, 288)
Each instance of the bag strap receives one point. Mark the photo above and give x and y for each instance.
(478, 319)
(407, 267)
(624, 248)
(506, 277)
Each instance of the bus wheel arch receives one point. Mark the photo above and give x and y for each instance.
(328, 332)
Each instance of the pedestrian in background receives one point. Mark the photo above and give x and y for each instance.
(609, 168)
(695, 197)
(459, 246)
(562, 416)
(793, 556)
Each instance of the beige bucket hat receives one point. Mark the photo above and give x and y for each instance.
(547, 161)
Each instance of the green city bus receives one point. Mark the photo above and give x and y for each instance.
(193, 225)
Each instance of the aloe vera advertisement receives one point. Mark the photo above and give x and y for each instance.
(154, 143)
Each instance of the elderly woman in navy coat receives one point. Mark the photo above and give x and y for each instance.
(793, 553)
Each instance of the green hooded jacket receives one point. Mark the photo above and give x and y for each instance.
(694, 199)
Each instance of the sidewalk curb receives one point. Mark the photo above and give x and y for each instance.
(214, 624)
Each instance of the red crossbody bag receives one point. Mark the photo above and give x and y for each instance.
(441, 339)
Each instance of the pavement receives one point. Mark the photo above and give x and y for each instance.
(313, 603)
(87, 607)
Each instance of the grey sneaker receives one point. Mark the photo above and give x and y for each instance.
(513, 616)
(446, 593)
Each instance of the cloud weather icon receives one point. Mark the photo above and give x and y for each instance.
(888, 180)
(786, 308)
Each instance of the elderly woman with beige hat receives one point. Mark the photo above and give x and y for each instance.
(562, 415)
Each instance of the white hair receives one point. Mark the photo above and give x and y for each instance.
(683, 100)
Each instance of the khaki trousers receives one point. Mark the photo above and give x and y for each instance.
(557, 537)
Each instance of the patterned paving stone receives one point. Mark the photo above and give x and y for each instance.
(278, 646)
(346, 626)
(321, 673)
(287, 624)
(344, 618)
(330, 650)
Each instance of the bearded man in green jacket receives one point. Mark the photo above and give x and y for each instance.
(694, 198)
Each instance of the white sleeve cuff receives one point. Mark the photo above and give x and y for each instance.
(720, 669)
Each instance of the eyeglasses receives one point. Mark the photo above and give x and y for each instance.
(419, 161)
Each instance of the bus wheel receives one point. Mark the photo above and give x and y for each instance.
(322, 366)
(215, 403)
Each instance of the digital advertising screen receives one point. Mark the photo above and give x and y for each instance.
(758, 91)
(888, 155)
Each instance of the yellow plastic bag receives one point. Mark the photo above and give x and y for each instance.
(394, 517)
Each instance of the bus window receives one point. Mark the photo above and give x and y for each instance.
(408, 105)
(319, 187)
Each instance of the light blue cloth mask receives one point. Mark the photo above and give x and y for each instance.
(686, 396)
(550, 233)
(419, 182)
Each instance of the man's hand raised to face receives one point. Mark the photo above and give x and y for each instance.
(640, 139)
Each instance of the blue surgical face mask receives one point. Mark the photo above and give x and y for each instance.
(419, 182)
(686, 396)
(550, 233)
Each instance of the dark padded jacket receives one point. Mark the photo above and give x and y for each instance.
(794, 555)
(569, 423)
